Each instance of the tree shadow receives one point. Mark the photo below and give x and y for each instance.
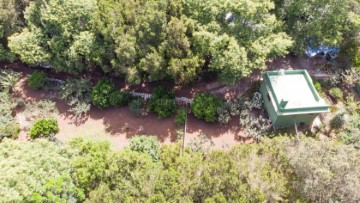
(121, 121)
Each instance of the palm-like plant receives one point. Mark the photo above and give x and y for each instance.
(8, 80)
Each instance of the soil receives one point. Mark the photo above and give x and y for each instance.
(118, 124)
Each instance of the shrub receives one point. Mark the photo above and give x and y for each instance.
(37, 79)
(41, 109)
(257, 101)
(77, 92)
(146, 144)
(135, 106)
(319, 88)
(223, 113)
(162, 102)
(256, 127)
(101, 92)
(10, 129)
(336, 93)
(338, 121)
(204, 106)
(357, 87)
(8, 79)
(119, 98)
(180, 117)
(44, 127)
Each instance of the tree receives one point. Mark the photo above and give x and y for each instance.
(60, 189)
(323, 167)
(11, 21)
(311, 23)
(146, 144)
(58, 33)
(237, 44)
(27, 166)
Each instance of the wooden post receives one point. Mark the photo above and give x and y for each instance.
(184, 133)
(296, 133)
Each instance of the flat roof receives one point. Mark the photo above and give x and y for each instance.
(293, 92)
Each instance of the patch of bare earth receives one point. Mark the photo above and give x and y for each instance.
(118, 124)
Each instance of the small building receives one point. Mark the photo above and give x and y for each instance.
(290, 98)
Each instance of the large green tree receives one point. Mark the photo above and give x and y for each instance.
(11, 21)
(58, 34)
(27, 166)
(236, 36)
(314, 22)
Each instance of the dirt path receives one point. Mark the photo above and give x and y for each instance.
(118, 124)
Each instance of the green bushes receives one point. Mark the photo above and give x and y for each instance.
(135, 106)
(336, 93)
(119, 98)
(162, 102)
(205, 107)
(37, 79)
(77, 92)
(338, 121)
(104, 94)
(146, 144)
(180, 117)
(357, 87)
(44, 127)
(101, 93)
(319, 88)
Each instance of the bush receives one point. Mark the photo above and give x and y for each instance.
(101, 93)
(257, 101)
(338, 121)
(336, 93)
(162, 102)
(119, 98)
(44, 127)
(357, 87)
(77, 92)
(10, 129)
(8, 79)
(135, 106)
(319, 88)
(146, 144)
(37, 79)
(180, 117)
(204, 106)
(223, 113)
(41, 109)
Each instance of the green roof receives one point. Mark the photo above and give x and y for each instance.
(293, 92)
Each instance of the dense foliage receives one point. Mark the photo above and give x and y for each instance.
(204, 106)
(161, 40)
(276, 170)
(37, 79)
(44, 127)
(8, 125)
(27, 166)
(162, 102)
(119, 98)
(311, 23)
(11, 21)
(146, 144)
(101, 92)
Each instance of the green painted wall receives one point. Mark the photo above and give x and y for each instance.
(285, 120)
(268, 104)
(289, 120)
